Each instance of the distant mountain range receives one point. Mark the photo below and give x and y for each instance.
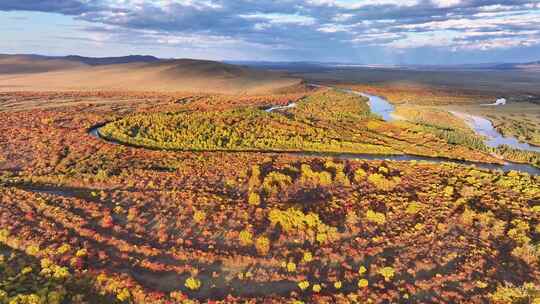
(314, 66)
(535, 65)
(54, 61)
(149, 73)
(135, 73)
(39, 64)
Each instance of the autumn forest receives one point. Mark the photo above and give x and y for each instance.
(118, 197)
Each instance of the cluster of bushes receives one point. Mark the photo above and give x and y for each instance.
(315, 125)
(519, 156)
(525, 128)
(27, 280)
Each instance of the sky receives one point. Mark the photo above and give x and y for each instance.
(353, 31)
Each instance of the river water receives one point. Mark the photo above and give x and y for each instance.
(377, 105)
(274, 108)
(494, 139)
(480, 125)
(380, 106)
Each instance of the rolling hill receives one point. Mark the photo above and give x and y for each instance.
(111, 60)
(134, 73)
(29, 64)
(534, 66)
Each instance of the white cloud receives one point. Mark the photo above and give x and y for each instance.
(356, 4)
(342, 17)
(164, 4)
(498, 43)
(333, 28)
(275, 18)
(446, 3)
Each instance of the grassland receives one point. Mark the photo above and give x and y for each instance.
(523, 128)
(520, 120)
(86, 221)
(439, 121)
(431, 116)
(423, 95)
(516, 119)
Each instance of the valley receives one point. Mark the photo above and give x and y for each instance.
(335, 193)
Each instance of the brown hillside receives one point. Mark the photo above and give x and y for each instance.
(167, 75)
(27, 64)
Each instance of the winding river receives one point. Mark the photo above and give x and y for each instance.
(494, 139)
(482, 126)
(377, 105)
(385, 110)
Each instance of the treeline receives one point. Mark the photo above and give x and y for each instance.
(519, 156)
(457, 137)
(444, 125)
